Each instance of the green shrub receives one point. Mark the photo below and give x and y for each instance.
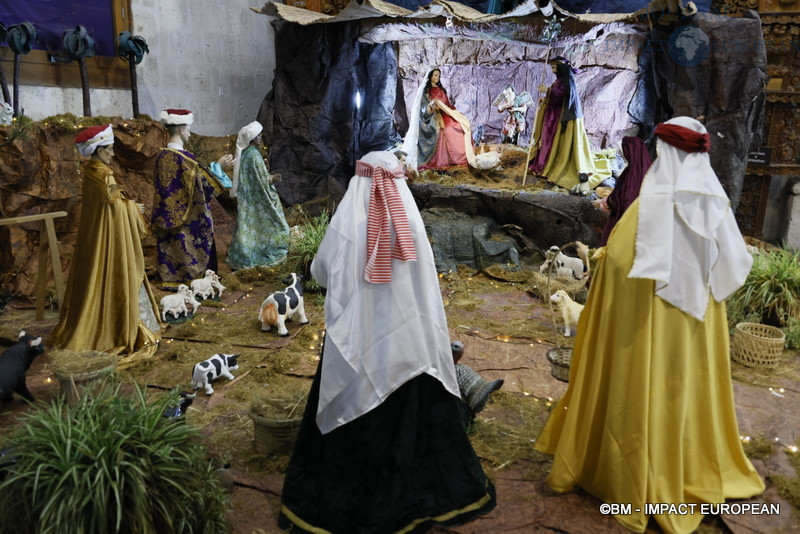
(771, 292)
(303, 247)
(792, 332)
(110, 465)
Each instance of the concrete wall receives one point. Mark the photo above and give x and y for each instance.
(217, 61)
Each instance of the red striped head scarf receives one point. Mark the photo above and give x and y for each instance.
(386, 214)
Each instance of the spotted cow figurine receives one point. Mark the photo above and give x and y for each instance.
(281, 306)
(209, 370)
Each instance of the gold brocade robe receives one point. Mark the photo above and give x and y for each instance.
(107, 284)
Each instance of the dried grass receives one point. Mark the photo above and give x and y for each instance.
(67, 362)
(786, 368)
(284, 400)
(508, 176)
(507, 439)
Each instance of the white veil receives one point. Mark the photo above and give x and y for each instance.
(412, 136)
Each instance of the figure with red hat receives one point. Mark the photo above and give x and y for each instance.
(181, 209)
(108, 305)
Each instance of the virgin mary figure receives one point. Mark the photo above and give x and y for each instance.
(439, 136)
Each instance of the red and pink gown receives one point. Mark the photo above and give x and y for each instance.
(450, 149)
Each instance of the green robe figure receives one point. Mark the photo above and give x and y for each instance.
(261, 235)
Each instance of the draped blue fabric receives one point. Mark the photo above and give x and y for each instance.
(52, 17)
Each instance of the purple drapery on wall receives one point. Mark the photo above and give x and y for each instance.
(52, 17)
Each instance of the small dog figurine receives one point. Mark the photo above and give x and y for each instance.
(14, 362)
(209, 370)
(570, 310)
(281, 306)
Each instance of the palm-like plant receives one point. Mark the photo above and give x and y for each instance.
(771, 293)
(111, 464)
(20, 39)
(79, 45)
(3, 83)
(303, 247)
(132, 48)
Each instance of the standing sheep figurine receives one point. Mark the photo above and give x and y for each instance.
(176, 304)
(570, 310)
(204, 287)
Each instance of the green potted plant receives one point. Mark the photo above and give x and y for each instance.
(771, 293)
(761, 312)
(111, 464)
(304, 242)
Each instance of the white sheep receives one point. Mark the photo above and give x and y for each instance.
(216, 283)
(204, 287)
(175, 304)
(565, 266)
(570, 310)
(190, 301)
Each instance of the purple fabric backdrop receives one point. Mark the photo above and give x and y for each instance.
(52, 17)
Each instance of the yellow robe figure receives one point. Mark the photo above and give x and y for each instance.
(649, 415)
(108, 294)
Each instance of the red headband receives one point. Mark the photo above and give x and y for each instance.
(683, 138)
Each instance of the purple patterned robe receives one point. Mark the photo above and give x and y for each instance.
(182, 216)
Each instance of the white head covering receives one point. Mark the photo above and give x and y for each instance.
(412, 136)
(378, 336)
(246, 134)
(91, 138)
(687, 238)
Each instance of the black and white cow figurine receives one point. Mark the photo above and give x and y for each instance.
(178, 411)
(209, 370)
(281, 306)
(14, 362)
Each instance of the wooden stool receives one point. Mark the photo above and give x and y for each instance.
(47, 236)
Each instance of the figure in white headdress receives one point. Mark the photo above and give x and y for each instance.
(651, 354)
(439, 136)
(261, 236)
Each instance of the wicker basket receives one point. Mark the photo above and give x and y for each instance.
(757, 345)
(271, 435)
(559, 359)
(77, 385)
